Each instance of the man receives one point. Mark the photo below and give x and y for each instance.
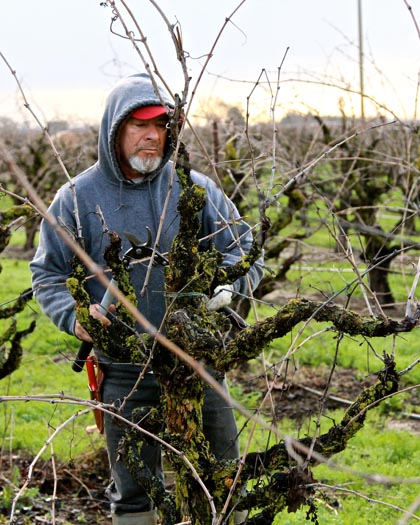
(129, 184)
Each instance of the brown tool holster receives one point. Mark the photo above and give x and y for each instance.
(95, 387)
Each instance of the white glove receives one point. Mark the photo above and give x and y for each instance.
(222, 296)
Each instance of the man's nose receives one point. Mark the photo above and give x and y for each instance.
(152, 132)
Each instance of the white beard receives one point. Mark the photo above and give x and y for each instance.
(144, 165)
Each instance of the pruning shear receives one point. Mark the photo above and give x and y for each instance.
(138, 250)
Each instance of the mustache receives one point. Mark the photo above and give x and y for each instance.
(143, 148)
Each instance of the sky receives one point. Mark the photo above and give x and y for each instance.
(67, 59)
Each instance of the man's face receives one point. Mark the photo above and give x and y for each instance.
(141, 145)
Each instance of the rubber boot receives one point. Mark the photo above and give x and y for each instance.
(135, 518)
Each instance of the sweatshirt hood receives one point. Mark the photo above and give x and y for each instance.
(133, 92)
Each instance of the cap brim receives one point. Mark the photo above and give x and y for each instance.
(148, 112)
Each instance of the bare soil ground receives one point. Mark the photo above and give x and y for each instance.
(79, 495)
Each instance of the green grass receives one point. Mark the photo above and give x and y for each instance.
(374, 451)
(350, 491)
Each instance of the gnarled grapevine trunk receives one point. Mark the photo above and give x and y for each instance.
(190, 276)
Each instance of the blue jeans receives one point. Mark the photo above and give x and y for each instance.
(219, 427)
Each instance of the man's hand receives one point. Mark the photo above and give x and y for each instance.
(222, 296)
(95, 311)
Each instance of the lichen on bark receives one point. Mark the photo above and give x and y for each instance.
(250, 341)
(119, 340)
(7, 217)
(190, 277)
(11, 350)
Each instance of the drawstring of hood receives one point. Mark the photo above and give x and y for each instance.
(153, 205)
(121, 200)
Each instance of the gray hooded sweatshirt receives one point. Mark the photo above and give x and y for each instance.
(127, 206)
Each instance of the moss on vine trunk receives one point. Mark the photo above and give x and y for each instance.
(189, 278)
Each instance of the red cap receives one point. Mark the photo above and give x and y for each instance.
(148, 112)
